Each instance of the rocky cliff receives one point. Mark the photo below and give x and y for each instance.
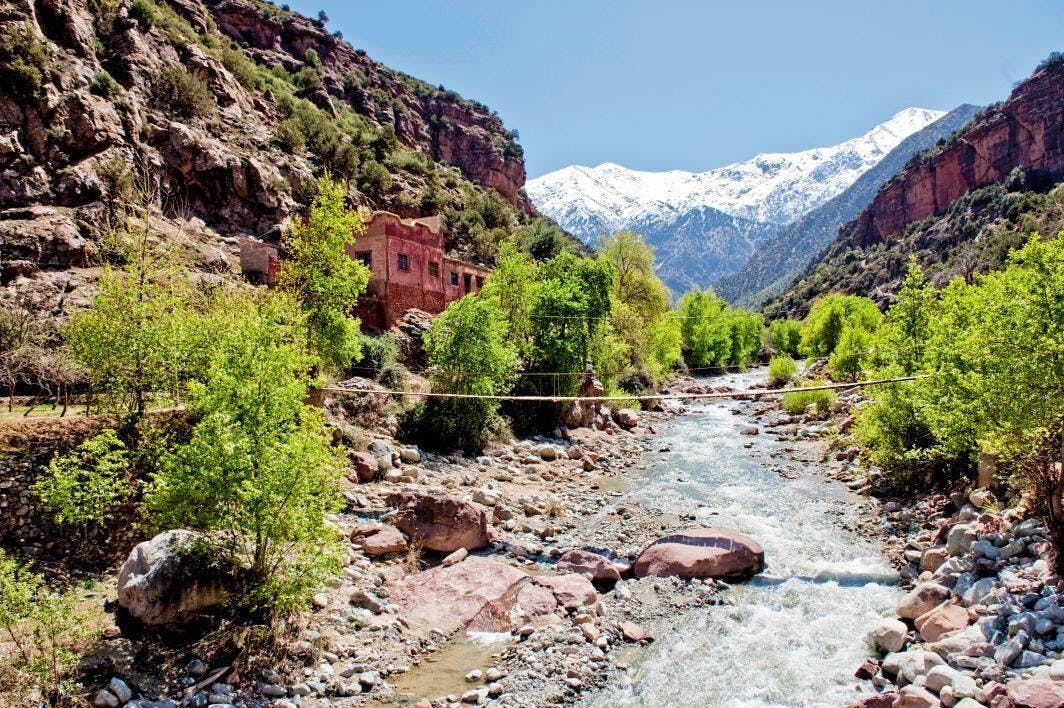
(958, 206)
(216, 116)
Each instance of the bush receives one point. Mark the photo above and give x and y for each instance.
(104, 85)
(796, 402)
(23, 60)
(785, 335)
(289, 137)
(85, 486)
(374, 180)
(259, 473)
(716, 335)
(781, 370)
(143, 11)
(183, 94)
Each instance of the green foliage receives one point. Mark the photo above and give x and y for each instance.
(781, 369)
(374, 179)
(323, 277)
(716, 335)
(543, 239)
(258, 473)
(796, 402)
(142, 336)
(87, 484)
(851, 351)
(24, 60)
(907, 326)
(514, 284)
(143, 11)
(894, 433)
(830, 315)
(103, 84)
(785, 335)
(46, 629)
(183, 94)
(470, 353)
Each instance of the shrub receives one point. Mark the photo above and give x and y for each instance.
(143, 11)
(259, 473)
(781, 369)
(374, 180)
(85, 485)
(46, 630)
(785, 335)
(183, 94)
(796, 402)
(894, 433)
(716, 335)
(289, 137)
(104, 85)
(23, 60)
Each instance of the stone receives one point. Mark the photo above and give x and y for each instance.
(571, 590)
(635, 633)
(270, 690)
(440, 522)
(960, 538)
(105, 699)
(916, 697)
(889, 635)
(922, 598)
(706, 552)
(942, 620)
(159, 584)
(120, 689)
(626, 418)
(598, 568)
(906, 666)
(978, 591)
(410, 455)
(456, 557)
(365, 464)
(933, 557)
(1036, 693)
(877, 700)
(379, 541)
(939, 677)
(980, 497)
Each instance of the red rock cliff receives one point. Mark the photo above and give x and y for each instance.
(1026, 131)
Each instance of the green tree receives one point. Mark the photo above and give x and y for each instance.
(513, 284)
(715, 334)
(851, 351)
(87, 484)
(785, 335)
(258, 473)
(907, 326)
(830, 315)
(323, 277)
(781, 369)
(471, 353)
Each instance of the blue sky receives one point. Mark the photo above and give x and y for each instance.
(675, 84)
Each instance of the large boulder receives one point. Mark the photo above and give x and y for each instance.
(707, 552)
(440, 522)
(480, 594)
(162, 582)
(627, 418)
(876, 700)
(907, 666)
(598, 568)
(888, 635)
(1037, 693)
(942, 620)
(916, 697)
(922, 598)
(379, 540)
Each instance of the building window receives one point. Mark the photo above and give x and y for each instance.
(454, 278)
(480, 282)
(434, 269)
(467, 281)
(404, 262)
(366, 257)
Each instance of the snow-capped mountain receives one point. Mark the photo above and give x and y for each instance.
(758, 196)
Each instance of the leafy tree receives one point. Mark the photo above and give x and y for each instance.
(785, 336)
(471, 353)
(543, 239)
(830, 315)
(323, 277)
(258, 473)
(46, 628)
(138, 339)
(907, 326)
(513, 284)
(715, 334)
(847, 359)
(85, 485)
(665, 346)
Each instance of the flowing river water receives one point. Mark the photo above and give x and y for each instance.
(796, 632)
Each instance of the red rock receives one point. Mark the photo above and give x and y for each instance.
(933, 557)
(634, 633)
(626, 418)
(878, 700)
(571, 590)
(921, 599)
(867, 670)
(379, 540)
(440, 522)
(942, 620)
(599, 568)
(534, 602)
(707, 552)
(916, 697)
(1036, 693)
(456, 557)
(365, 465)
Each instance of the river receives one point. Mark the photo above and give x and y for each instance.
(795, 633)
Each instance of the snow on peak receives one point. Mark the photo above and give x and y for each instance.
(770, 187)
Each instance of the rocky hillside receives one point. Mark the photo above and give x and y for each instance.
(215, 117)
(958, 206)
(784, 254)
(705, 225)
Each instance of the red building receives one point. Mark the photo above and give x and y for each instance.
(407, 263)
